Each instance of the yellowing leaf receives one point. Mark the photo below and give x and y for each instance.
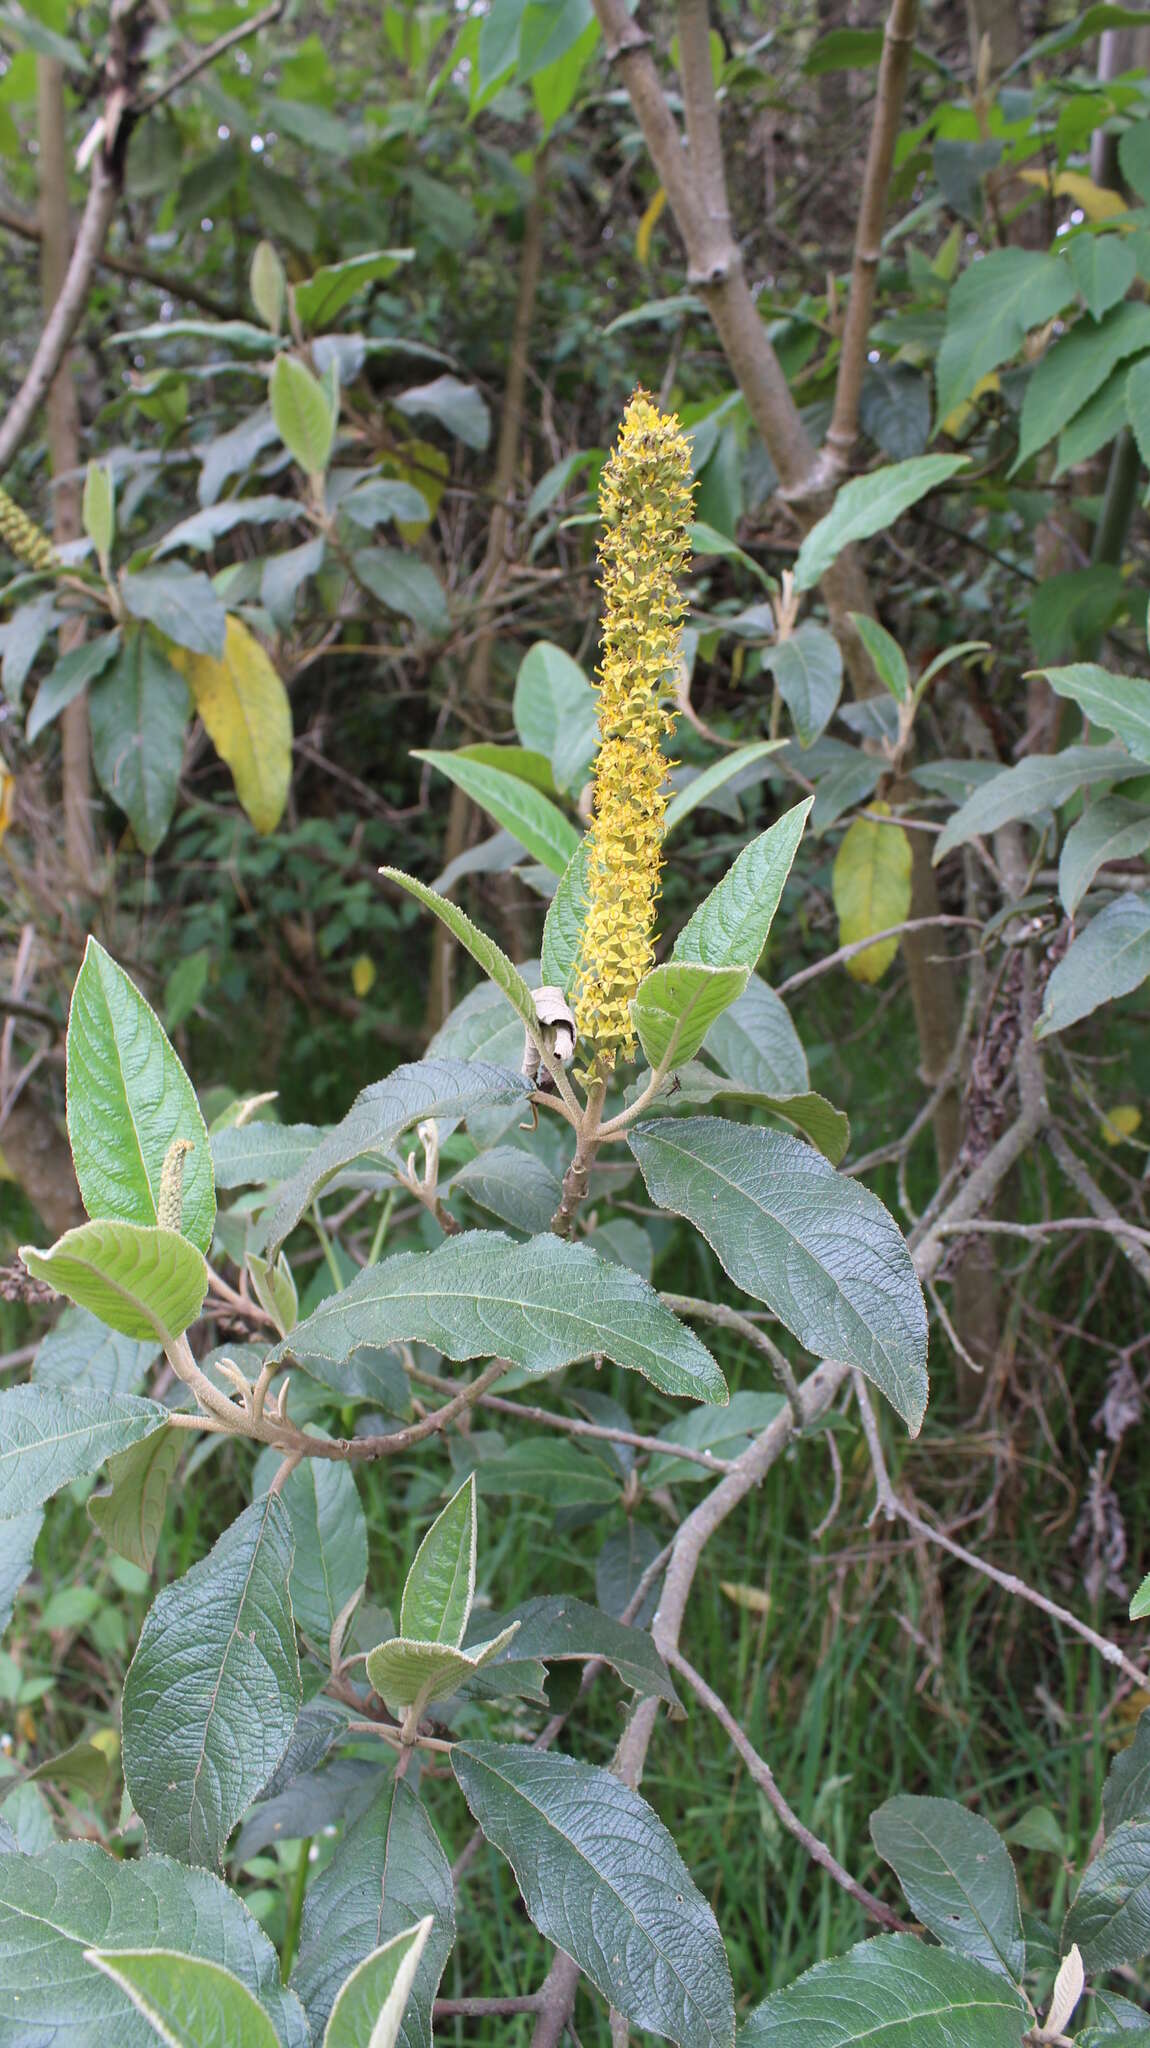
(871, 889)
(1098, 202)
(646, 227)
(425, 466)
(964, 412)
(363, 975)
(1120, 1123)
(245, 709)
(753, 1598)
(7, 798)
(6, 1172)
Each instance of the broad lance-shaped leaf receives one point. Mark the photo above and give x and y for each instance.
(128, 1100)
(1111, 828)
(494, 962)
(537, 823)
(866, 506)
(369, 2010)
(1109, 959)
(51, 1435)
(602, 1879)
(540, 1305)
(247, 717)
(440, 1587)
(388, 1871)
(190, 2002)
(706, 784)
(818, 1119)
(213, 1691)
(821, 1251)
(1110, 1916)
(73, 1897)
(563, 924)
(131, 1517)
(677, 1004)
(756, 1043)
(408, 1674)
(957, 1875)
(330, 1536)
(1119, 704)
(144, 1282)
(381, 1113)
(892, 1992)
(138, 710)
(1040, 783)
(730, 927)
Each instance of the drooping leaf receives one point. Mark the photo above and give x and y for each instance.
(536, 822)
(440, 1586)
(51, 1435)
(145, 1282)
(808, 668)
(601, 1878)
(382, 499)
(247, 717)
(893, 1992)
(406, 585)
(820, 1250)
(1039, 783)
(866, 506)
(130, 1517)
(677, 1004)
(72, 674)
(539, 1305)
(189, 2001)
(1110, 1916)
(991, 310)
(212, 1693)
(1126, 1793)
(1109, 829)
(304, 420)
(730, 926)
(871, 882)
(202, 529)
(369, 2010)
(957, 1874)
(138, 711)
(1119, 704)
(129, 1100)
(726, 1432)
(1107, 960)
(388, 1871)
(563, 924)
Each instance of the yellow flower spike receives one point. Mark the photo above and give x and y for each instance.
(645, 499)
(23, 538)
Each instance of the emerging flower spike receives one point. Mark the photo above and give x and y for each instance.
(23, 538)
(645, 500)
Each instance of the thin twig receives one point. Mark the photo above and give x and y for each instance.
(841, 953)
(203, 58)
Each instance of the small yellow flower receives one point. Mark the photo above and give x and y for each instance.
(23, 538)
(645, 500)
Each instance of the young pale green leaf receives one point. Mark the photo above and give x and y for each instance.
(483, 950)
(52, 1435)
(388, 1871)
(536, 822)
(129, 1100)
(540, 1305)
(190, 2002)
(866, 506)
(957, 1875)
(563, 924)
(677, 1004)
(601, 1878)
(267, 283)
(144, 1282)
(703, 787)
(1109, 959)
(138, 710)
(369, 2010)
(98, 509)
(131, 1517)
(558, 1629)
(71, 675)
(74, 1897)
(1110, 1917)
(1109, 829)
(416, 1091)
(886, 654)
(821, 1251)
(808, 668)
(440, 1587)
(330, 1538)
(303, 418)
(406, 1673)
(1119, 704)
(1039, 783)
(812, 1114)
(181, 603)
(730, 926)
(991, 310)
(213, 1691)
(892, 1992)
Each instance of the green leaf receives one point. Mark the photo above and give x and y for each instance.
(536, 822)
(381, 500)
(756, 1043)
(958, 1877)
(321, 297)
(222, 336)
(558, 1473)
(144, 1282)
(71, 675)
(1140, 1605)
(1096, 425)
(1134, 157)
(202, 529)
(410, 1675)
(818, 1119)
(524, 762)
(518, 1187)
(388, 1871)
(1103, 268)
(212, 1693)
(440, 1587)
(1039, 783)
(1137, 393)
(1126, 1793)
(407, 586)
(1109, 959)
(129, 1100)
(191, 2003)
(558, 1629)
(98, 508)
(330, 1537)
(1073, 369)
(540, 1305)
(370, 2007)
(703, 787)
(267, 283)
(23, 639)
(867, 505)
(139, 713)
(80, 1768)
(808, 668)
(726, 1432)
(259, 1154)
(452, 404)
(413, 1093)
(886, 654)
(18, 1534)
(676, 1005)
(563, 925)
(892, 1992)
(304, 419)
(707, 540)
(601, 1878)
(730, 927)
(1120, 704)
(131, 1517)
(52, 1435)
(991, 310)
(74, 1897)
(483, 950)
(555, 711)
(1111, 829)
(79, 1351)
(180, 602)
(1110, 1916)
(821, 1251)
